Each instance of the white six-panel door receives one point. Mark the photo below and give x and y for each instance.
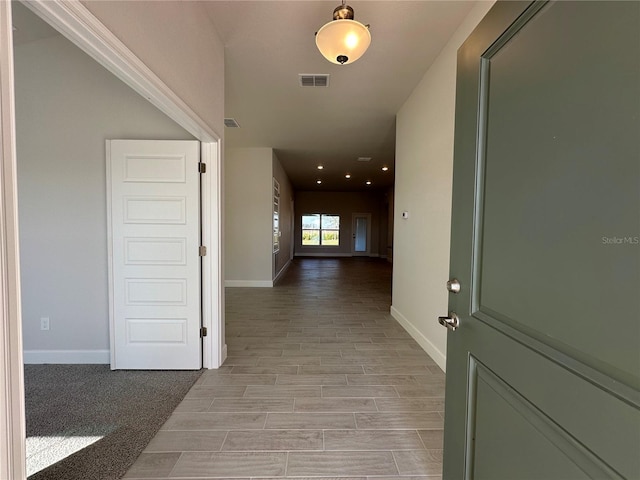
(153, 190)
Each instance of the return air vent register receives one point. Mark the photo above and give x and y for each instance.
(313, 80)
(231, 123)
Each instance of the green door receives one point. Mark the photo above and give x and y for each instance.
(543, 371)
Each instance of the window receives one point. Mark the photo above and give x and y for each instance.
(321, 229)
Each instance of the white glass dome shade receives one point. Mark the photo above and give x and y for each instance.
(343, 40)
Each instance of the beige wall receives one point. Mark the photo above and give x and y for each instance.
(249, 257)
(283, 257)
(66, 107)
(344, 204)
(424, 166)
(178, 42)
(248, 216)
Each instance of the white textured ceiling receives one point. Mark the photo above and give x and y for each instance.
(268, 43)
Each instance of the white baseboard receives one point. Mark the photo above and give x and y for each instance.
(323, 255)
(281, 272)
(439, 357)
(249, 283)
(67, 356)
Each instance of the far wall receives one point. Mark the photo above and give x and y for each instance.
(344, 204)
(247, 190)
(249, 257)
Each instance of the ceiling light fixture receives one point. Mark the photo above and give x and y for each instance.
(320, 167)
(385, 168)
(318, 182)
(348, 175)
(368, 182)
(343, 40)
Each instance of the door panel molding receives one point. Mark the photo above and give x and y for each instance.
(481, 140)
(517, 365)
(568, 360)
(578, 453)
(168, 211)
(493, 316)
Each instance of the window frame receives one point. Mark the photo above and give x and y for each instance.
(320, 231)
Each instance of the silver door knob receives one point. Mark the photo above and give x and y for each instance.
(451, 322)
(453, 285)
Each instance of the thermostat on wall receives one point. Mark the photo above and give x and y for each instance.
(405, 215)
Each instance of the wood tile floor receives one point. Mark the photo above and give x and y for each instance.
(320, 382)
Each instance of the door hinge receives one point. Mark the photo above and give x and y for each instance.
(203, 332)
(202, 167)
(202, 250)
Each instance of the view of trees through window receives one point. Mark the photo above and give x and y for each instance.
(321, 229)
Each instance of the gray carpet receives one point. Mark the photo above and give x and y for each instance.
(115, 413)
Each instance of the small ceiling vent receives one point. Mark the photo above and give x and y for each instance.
(364, 159)
(313, 80)
(231, 123)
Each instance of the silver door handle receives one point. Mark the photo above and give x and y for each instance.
(452, 322)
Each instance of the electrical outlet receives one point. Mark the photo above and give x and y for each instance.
(44, 323)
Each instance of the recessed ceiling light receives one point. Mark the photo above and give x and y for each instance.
(318, 182)
(320, 167)
(368, 182)
(348, 175)
(385, 168)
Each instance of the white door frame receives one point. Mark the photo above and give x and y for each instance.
(78, 25)
(12, 424)
(367, 253)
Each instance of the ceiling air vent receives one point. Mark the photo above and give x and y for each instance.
(364, 159)
(231, 123)
(313, 80)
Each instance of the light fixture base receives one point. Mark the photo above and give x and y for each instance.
(343, 12)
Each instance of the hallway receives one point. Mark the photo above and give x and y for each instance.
(320, 382)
